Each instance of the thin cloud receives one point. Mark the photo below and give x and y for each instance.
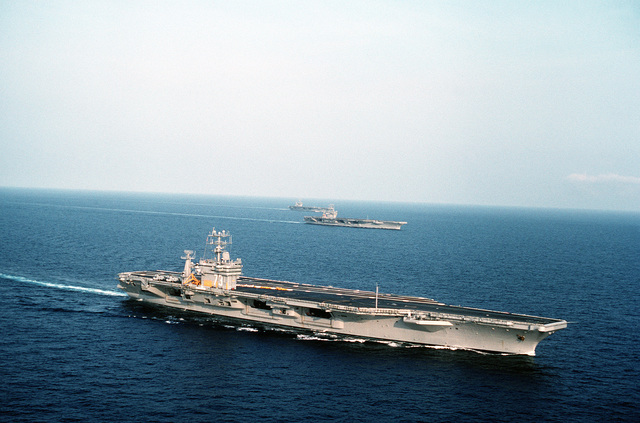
(608, 177)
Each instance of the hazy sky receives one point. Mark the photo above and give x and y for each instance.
(512, 103)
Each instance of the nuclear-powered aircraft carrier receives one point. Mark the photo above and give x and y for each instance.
(215, 286)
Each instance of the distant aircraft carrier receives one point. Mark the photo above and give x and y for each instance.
(299, 207)
(214, 286)
(330, 218)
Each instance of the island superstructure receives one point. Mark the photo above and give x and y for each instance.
(330, 218)
(215, 286)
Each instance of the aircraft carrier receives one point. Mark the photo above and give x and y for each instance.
(215, 286)
(298, 206)
(330, 218)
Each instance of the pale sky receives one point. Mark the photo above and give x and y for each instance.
(510, 103)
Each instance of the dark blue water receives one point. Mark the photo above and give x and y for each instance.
(72, 348)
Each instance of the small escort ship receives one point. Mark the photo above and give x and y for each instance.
(215, 286)
(330, 218)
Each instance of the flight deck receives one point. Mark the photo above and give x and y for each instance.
(367, 299)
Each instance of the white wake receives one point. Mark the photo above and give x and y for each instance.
(64, 286)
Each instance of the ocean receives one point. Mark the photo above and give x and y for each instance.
(74, 348)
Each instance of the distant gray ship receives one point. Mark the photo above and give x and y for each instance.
(214, 286)
(299, 207)
(330, 218)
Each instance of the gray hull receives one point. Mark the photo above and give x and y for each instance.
(347, 313)
(354, 223)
